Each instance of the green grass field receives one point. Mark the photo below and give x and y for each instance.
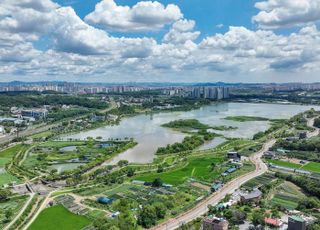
(312, 166)
(7, 154)
(5, 157)
(197, 168)
(285, 164)
(58, 217)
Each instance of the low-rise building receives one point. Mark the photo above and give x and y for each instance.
(234, 155)
(214, 223)
(273, 222)
(296, 223)
(269, 155)
(35, 113)
(2, 130)
(253, 196)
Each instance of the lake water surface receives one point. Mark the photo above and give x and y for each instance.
(149, 134)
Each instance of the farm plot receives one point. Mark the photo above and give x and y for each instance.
(287, 195)
(259, 181)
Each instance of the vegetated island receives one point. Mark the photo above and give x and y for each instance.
(199, 134)
(187, 124)
(246, 118)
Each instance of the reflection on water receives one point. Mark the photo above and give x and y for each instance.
(147, 130)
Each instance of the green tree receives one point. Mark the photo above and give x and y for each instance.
(147, 216)
(4, 194)
(126, 221)
(257, 218)
(161, 210)
(157, 182)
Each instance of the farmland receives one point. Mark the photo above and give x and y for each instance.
(285, 164)
(287, 195)
(259, 181)
(57, 217)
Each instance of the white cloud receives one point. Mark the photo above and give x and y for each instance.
(76, 49)
(144, 16)
(286, 13)
(181, 32)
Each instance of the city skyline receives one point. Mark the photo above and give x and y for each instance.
(160, 41)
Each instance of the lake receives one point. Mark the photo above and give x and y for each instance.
(147, 130)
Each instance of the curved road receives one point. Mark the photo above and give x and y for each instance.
(202, 207)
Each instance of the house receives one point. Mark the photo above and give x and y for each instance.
(231, 170)
(214, 223)
(234, 155)
(138, 182)
(216, 186)
(253, 196)
(269, 155)
(104, 200)
(296, 223)
(302, 135)
(273, 222)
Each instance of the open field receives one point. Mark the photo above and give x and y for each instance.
(5, 157)
(58, 217)
(197, 168)
(285, 164)
(312, 166)
(7, 154)
(287, 195)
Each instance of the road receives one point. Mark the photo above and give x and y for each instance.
(202, 207)
(20, 212)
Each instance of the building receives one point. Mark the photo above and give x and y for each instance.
(302, 135)
(269, 155)
(214, 224)
(104, 200)
(234, 155)
(216, 186)
(296, 223)
(273, 222)
(253, 196)
(35, 113)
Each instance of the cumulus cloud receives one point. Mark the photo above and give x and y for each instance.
(76, 48)
(144, 16)
(286, 13)
(181, 32)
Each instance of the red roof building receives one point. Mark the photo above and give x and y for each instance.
(273, 222)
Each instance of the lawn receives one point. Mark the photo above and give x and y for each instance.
(285, 164)
(197, 168)
(312, 166)
(6, 178)
(7, 154)
(58, 217)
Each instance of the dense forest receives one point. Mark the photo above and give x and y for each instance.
(38, 100)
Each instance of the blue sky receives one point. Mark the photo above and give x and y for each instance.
(208, 14)
(164, 40)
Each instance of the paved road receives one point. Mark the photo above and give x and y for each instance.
(216, 197)
(230, 187)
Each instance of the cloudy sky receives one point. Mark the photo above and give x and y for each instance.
(157, 41)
